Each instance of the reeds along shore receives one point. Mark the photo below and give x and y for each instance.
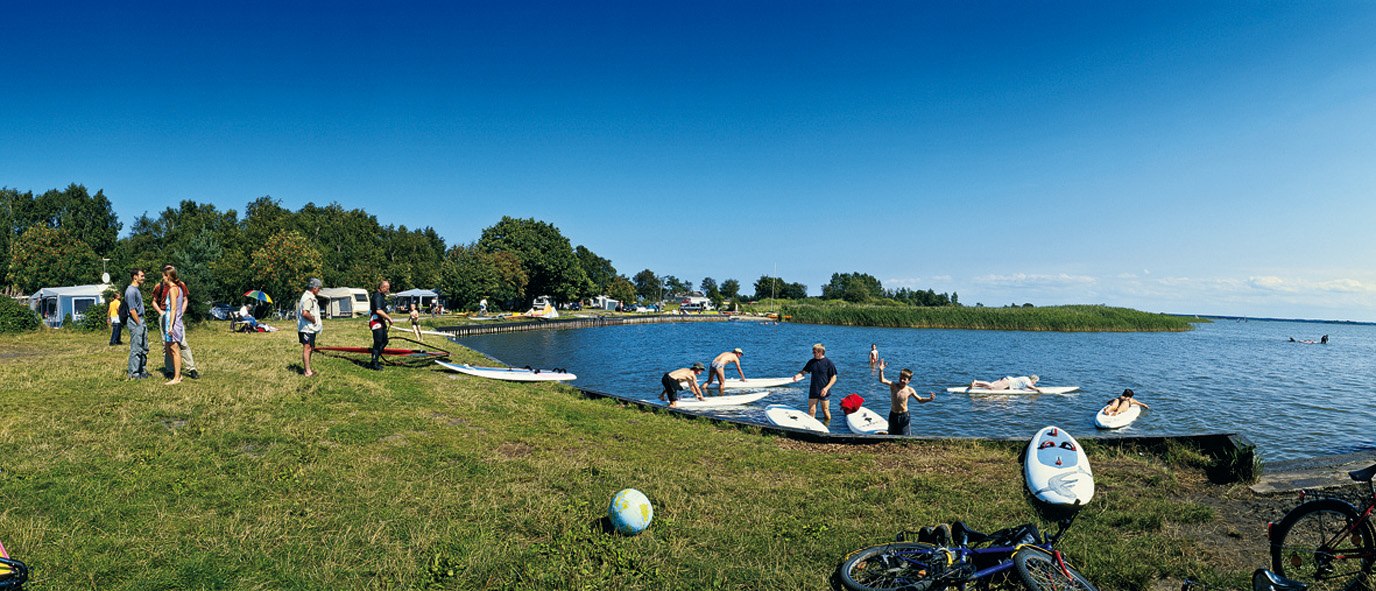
(1082, 318)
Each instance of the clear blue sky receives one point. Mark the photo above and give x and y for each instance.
(1178, 157)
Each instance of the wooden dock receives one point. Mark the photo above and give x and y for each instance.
(469, 330)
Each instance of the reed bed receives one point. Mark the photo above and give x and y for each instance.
(1079, 318)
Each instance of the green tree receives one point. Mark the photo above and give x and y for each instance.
(853, 287)
(648, 286)
(85, 217)
(44, 257)
(673, 286)
(470, 275)
(195, 265)
(600, 271)
(731, 289)
(283, 264)
(545, 254)
(766, 287)
(622, 290)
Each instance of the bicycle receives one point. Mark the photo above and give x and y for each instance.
(1328, 544)
(941, 560)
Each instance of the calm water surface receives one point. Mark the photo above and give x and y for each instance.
(1292, 400)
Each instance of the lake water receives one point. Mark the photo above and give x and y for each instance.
(1292, 400)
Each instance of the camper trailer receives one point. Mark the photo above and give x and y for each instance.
(55, 303)
(345, 302)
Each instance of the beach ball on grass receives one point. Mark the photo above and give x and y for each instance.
(630, 511)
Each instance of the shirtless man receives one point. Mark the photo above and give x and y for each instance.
(1122, 403)
(717, 371)
(672, 382)
(1008, 383)
(900, 420)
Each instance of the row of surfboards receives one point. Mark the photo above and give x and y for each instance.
(863, 421)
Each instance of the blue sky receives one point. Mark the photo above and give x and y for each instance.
(1178, 157)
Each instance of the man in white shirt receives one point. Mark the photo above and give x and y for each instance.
(308, 323)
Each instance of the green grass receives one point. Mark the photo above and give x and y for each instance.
(254, 477)
(1050, 318)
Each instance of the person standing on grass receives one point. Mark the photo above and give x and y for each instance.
(114, 320)
(717, 371)
(308, 323)
(415, 320)
(379, 321)
(138, 327)
(183, 347)
(823, 373)
(900, 421)
(173, 331)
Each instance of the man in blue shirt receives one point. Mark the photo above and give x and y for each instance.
(823, 378)
(138, 328)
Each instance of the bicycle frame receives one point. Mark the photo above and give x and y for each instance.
(964, 554)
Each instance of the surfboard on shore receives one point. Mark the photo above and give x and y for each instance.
(867, 422)
(787, 416)
(510, 374)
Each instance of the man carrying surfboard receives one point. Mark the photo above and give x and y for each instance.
(899, 418)
(823, 373)
(717, 371)
(672, 385)
(1008, 383)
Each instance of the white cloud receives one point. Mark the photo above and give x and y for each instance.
(1036, 280)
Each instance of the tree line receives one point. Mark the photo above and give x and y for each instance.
(60, 237)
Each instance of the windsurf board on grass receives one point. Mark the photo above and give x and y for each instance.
(1118, 421)
(1057, 470)
(510, 374)
(867, 422)
(688, 402)
(787, 416)
(1044, 390)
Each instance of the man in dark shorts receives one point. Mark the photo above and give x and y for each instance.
(823, 373)
(672, 382)
(379, 321)
(308, 323)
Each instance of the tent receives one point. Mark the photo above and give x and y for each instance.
(55, 303)
(424, 297)
(344, 302)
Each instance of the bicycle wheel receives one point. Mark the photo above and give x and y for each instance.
(1041, 571)
(1316, 544)
(904, 566)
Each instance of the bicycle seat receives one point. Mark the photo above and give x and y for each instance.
(1265, 580)
(1363, 475)
(962, 535)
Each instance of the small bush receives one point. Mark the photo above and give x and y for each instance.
(16, 317)
(94, 319)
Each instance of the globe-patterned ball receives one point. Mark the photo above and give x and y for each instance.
(630, 512)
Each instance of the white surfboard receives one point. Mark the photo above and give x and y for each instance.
(757, 382)
(510, 374)
(867, 422)
(1117, 421)
(787, 416)
(1057, 470)
(1044, 390)
(686, 400)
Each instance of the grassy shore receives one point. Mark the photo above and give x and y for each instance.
(1049, 318)
(255, 477)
